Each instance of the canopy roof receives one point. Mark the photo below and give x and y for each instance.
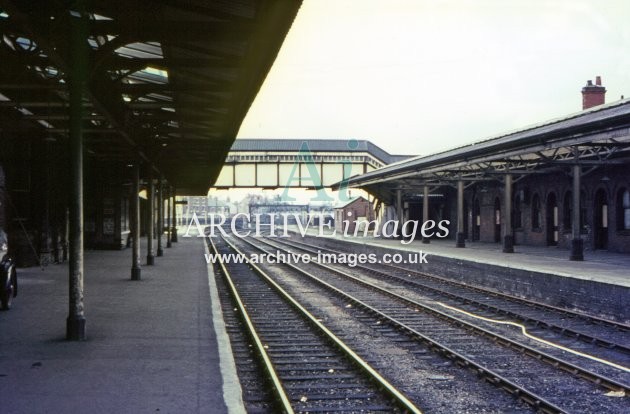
(168, 81)
(594, 138)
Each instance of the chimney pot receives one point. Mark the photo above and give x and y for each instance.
(593, 95)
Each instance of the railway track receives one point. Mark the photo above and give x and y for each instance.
(542, 380)
(306, 367)
(587, 334)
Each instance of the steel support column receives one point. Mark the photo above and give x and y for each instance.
(460, 215)
(75, 323)
(174, 228)
(160, 219)
(135, 224)
(508, 238)
(577, 244)
(425, 210)
(169, 219)
(151, 219)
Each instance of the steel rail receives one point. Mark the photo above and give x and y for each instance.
(487, 374)
(397, 396)
(540, 355)
(573, 369)
(278, 389)
(568, 332)
(591, 318)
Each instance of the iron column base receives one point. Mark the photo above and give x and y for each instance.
(460, 240)
(75, 328)
(150, 260)
(169, 243)
(174, 235)
(136, 273)
(160, 252)
(577, 250)
(508, 244)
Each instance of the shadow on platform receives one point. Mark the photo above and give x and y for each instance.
(151, 346)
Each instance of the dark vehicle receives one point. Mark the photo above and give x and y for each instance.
(8, 274)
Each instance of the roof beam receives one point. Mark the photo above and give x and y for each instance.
(57, 117)
(190, 86)
(38, 104)
(176, 31)
(98, 90)
(570, 163)
(136, 64)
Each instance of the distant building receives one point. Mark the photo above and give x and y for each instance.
(352, 213)
(203, 207)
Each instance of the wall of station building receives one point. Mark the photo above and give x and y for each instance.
(542, 210)
(33, 196)
(34, 188)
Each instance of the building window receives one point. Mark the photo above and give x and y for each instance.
(536, 212)
(623, 209)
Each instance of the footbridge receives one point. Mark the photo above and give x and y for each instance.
(304, 163)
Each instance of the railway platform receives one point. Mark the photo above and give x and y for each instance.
(157, 345)
(599, 265)
(599, 285)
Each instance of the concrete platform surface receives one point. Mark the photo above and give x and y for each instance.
(151, 345)
(598, 265)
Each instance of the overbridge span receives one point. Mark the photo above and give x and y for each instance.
(305, 163)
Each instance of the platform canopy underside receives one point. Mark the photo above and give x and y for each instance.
(168, 82)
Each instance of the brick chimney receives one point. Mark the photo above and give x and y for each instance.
(593, 95)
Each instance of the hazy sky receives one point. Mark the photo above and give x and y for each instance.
(418, 76)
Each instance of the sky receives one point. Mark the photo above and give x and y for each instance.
(419, 76)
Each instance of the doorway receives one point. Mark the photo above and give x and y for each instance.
(552, 220)
(476, 211)
(497, 220)
(466, 215)
(600, 221)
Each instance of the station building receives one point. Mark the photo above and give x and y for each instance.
(351, 214)
(564, 183)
